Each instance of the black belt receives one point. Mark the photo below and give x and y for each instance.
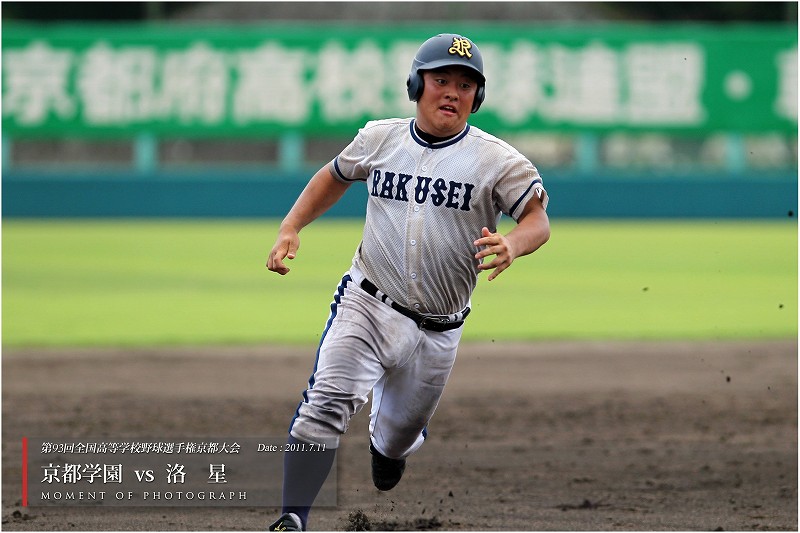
(424, 322)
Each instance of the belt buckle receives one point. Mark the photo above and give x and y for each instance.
(426, 322)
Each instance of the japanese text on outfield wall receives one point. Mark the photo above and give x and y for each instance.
(234, 82)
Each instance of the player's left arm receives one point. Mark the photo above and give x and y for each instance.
(530, 233)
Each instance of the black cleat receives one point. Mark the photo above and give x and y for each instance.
(287, 522)
(386, 473)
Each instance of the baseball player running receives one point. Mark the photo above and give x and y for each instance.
(437, 188)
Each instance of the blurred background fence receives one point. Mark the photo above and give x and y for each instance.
(175, 116)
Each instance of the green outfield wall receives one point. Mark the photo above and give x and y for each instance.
(243, 195)
(257, 80)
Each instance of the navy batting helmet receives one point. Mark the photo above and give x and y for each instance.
(445, 50)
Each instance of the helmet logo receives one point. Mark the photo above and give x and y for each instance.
(461, 47)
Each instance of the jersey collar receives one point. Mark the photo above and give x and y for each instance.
(443, 144)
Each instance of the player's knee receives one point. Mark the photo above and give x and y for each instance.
(312, 431)
(322, 425)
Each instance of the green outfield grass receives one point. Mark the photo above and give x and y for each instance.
(149, 283)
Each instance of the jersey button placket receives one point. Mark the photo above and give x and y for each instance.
(416, 224)
(425, 167)
(413, 255)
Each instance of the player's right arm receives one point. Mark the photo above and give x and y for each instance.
(322, 191)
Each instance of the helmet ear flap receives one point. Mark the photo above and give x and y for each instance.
(414, 84)
(480, 94)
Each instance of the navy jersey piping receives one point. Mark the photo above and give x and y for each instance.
(516, 204)
(444, 144)
(337, 300)
(339, 172)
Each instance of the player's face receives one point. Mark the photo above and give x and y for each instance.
(446, 100)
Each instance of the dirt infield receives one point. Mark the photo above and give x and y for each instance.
(546, 436)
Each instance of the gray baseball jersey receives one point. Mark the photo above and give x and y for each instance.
(437, 197)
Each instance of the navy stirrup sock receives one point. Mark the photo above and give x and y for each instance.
(304, 473)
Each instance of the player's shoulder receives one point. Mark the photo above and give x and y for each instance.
(386, 125)
(491, 141)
